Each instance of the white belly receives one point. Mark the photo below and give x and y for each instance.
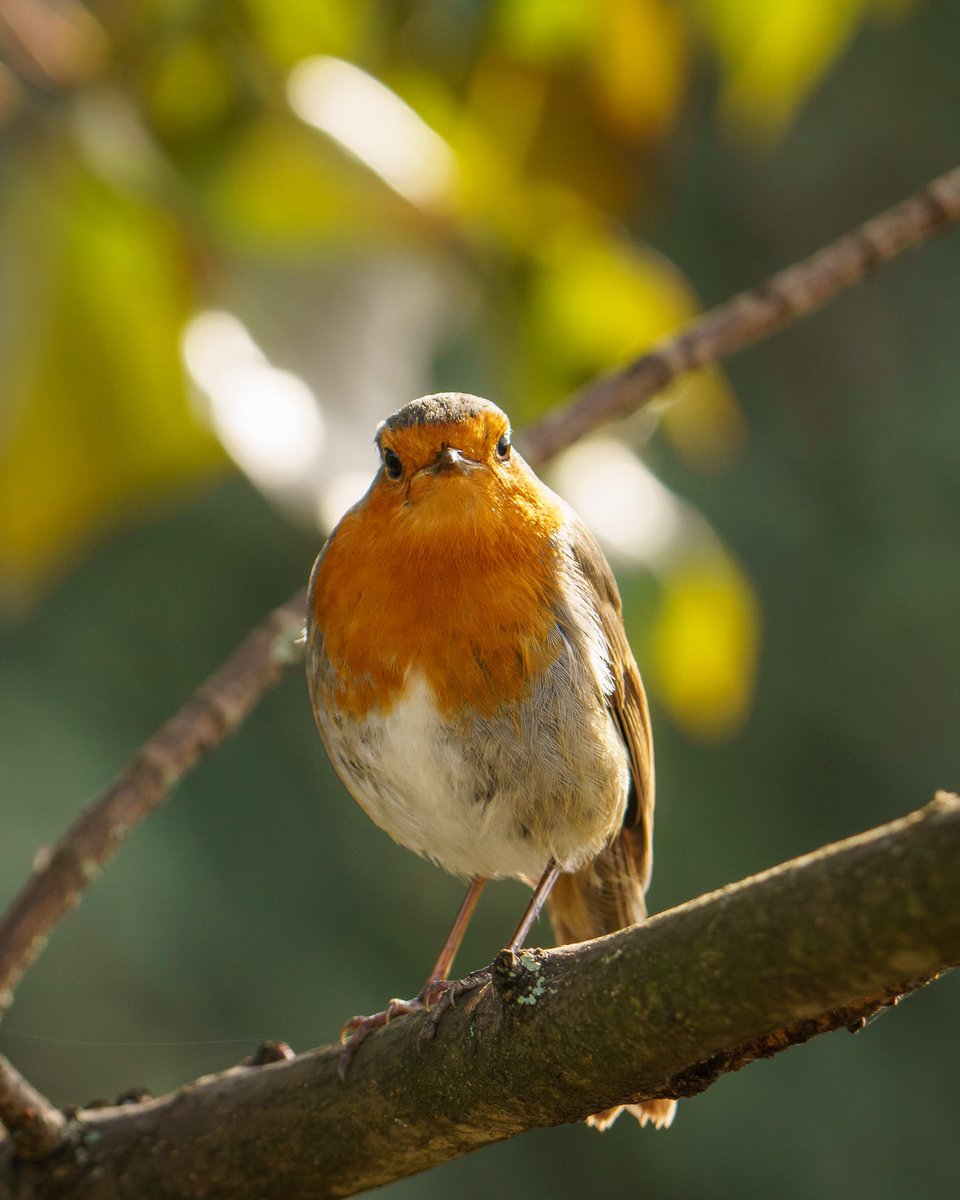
(492, 798)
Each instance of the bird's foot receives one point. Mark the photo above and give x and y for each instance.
(437, 996)
(358, 1029)
(441, 994)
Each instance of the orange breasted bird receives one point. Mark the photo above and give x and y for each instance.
(471, 680)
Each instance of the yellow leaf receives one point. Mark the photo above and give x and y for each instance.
(639, 61)
(542, 31)
(283, 185)
(774, 54)
(296, 28)
(705, 644)
(598, 301)
(98, 418)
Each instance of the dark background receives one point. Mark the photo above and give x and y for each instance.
(260, 902)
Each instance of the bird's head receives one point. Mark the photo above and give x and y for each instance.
(446, 459)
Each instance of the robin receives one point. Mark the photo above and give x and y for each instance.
(471, 680)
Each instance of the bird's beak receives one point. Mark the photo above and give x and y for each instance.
(450, 459)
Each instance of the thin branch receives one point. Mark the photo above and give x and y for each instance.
(662, 1008)
(751, 316)
(36, 1127)
(62, 872)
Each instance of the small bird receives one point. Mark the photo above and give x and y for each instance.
(472, 683)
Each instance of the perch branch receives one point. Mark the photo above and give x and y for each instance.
(63, 872)
(750, 316)
(662, 1008)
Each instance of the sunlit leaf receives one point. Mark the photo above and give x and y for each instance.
(292, 30)
(100, 419)
(597, 301)
(371, 122)
(638, 54)
(774, 54)
(282, 185)
(542, 30)
(600, 299)
(705, 645)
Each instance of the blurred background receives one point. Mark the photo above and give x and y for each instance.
(235, 236)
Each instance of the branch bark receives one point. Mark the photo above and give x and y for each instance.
(36, 1127)
(662, 1008)
(751, 316)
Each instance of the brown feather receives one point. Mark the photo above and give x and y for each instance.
(609, 894)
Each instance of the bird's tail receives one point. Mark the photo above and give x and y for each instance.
(602, 898)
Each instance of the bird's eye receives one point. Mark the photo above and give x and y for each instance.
(503, 447)
(392, 464)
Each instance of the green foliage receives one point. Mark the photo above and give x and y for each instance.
(171, 164)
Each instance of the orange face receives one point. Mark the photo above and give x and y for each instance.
(448, 476)
(447, 567)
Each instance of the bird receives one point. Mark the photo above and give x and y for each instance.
(472, 683)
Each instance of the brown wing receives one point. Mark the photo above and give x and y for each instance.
(628, 704)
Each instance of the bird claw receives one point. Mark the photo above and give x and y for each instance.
(356, 1031)
(437, 996)
(441, 994)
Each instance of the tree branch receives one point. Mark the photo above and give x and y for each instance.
(663, 1008)
(751, 316)
(36, 1127)
(62, 873)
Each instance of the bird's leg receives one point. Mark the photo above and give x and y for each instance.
(357, 1029)
(447, 992)
(459, 927)
(537, 901)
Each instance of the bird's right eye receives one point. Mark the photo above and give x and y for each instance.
(392, 464)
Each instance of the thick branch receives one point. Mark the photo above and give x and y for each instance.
(658, 1009)
(751, 316)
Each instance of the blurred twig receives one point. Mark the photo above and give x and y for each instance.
(217, 708)
(751, 316)
(62, 872)
(51, 45)
(37, 1128)
(659, 1009)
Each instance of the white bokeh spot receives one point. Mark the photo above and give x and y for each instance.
(374, 125)
(622, 502)
(268, 420)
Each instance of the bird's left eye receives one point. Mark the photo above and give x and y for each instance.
(503, 446)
